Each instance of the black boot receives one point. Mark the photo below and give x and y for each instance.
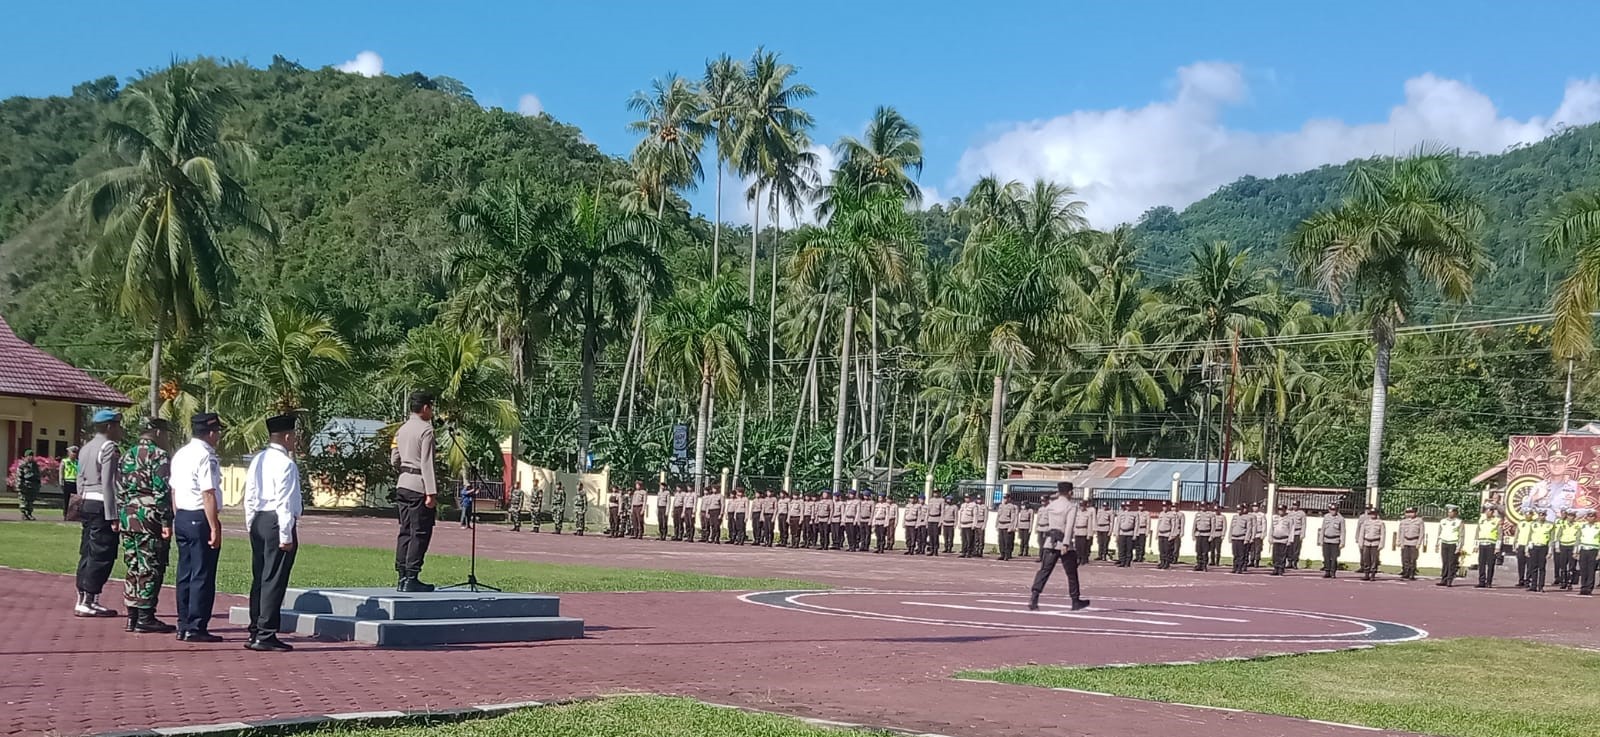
(146, 622)
(133, 620)
(1033, 602)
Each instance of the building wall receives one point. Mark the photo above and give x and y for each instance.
(43, 425)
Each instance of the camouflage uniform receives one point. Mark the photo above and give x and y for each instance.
(144, 508)
(28, 484)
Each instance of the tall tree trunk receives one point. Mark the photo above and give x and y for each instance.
(702, 431)
(519, 374)
(738, 437)
(155, 375)
(843, 395)
(1380, 402)
(624, 392)
(991, 466)
(873, 401)
(591, 337)
(811, 377)
(888, 474)
(716, 225)
(750, 296)
(772, 306)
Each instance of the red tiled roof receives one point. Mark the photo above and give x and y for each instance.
(26, 371)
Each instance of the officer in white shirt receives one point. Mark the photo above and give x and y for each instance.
(272, 506)
(197, 499)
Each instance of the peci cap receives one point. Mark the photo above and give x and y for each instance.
(280, 423)
(205, 422)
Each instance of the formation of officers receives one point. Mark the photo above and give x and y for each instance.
(141, 496)
(1253, 538)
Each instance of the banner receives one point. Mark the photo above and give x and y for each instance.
(1548, 474)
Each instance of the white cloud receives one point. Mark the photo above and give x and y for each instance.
(530, 105)
(1176, 151)
(736, 210)
(366, 64)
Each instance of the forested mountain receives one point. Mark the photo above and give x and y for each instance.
(1518, 189)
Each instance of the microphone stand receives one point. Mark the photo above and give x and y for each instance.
(472, 583)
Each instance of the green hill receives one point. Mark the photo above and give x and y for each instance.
(1517, 187)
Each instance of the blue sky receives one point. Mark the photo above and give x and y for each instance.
(1134, 103)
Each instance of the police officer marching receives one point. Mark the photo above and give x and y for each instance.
(1058, 516)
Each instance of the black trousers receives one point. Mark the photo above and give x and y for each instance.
(1408, 562)
(416, 532)
(1139, 543)
(1369, 559)
(197, 571)
(636, 522)
(1008, 544)
(1563, 565)
(1202, 553)
(1102, 541)
(1294, 551)
(1447, 563)
(1586, 562)
(269, 576)
(882, 532)
(97, 548)
(1216, 551)
(1486, 553)
(1080, 545)
(1280, 557)
(783, 530)
(1022, 538)
(736, 527)
(663, 516)
(1047, 565)
(1537, 556)
(949, 537)
(1241, 555)
(930, 538)
(713, 527)
(967, 540)
(1522, 565)
(1124, 550)
(68, 490)
(1330, 558)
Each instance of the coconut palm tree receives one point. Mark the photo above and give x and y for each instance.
(167, 202)
(279, 365)
(1402, 221)
(602, 267)
(890, 154)
(699, 339)
(470, 380)
(722, 92)
(865, 248)
(500, 271)
(1572, 232)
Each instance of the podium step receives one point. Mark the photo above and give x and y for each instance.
(415, 632)
(384, 603)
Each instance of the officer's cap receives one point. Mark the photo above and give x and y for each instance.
(1451, 507)
(1411, 509)
(102, 416)
(205, 422)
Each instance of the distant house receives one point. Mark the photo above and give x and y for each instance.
(1124, 479)
(42, 400)
(340, 434)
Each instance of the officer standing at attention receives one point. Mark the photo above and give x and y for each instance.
(947, 523)
(636, 503)
(663, 512)
(837, 523)
(558, 506)
(1588, 549)
(964, 520)
(1449, 540)
(785, 509)
(415, 492)
(272, 507)
(580, 511)
(1488, 545)
(69, 479)
(712, 504)
(144, 509)
(1239, 536)
(1566, 543)
(1127, 525)
(1369, 535)
(934, 510)
(1282, 531)
(980, 525)
(614, 512)
(1298, 517)
(1258, 534)
(1219, 527)
(737, 507)
(883, 519)
(1058, 516)
(1202, 537)
(537, 506)
(1538, 550)
(1413, 536)
(97, 543)
(28, 482)
(1005, 520)
(516, 508)
(1163, 534)
(1521, 551)
(197, 496)
(1023, 528)
(1141, 531)
(914, 523)
(1332, 537)
(1103, 521)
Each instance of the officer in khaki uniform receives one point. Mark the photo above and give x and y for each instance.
(636, 503)
(1005, 520)
(1203, 519)
(851, 521)
(1239, 530)
(1103, 520)
(882, 521)
(1023, 528)
(966, 516)
(1488, 545)
(1298, 517)
(980, 526)
(934, 511)
(1082, 531)
(711, 508)
(415, 492)
(1281, 530)
(663, 512)
(1141, 531)
(1126, 525)
(1588, 549)
(614, 513)
(915, 519)
(947, 523)
(1369, 535)
(1331, 536)
(1219, 528)
(1058, 516)
(836, 525)
(1413, 536)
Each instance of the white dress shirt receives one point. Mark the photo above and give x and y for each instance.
(195, 471)
(273, 485)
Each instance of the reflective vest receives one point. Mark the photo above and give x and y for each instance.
(1489, 531)
(1567, 533)
(1589, 536)
(1541, 534)
(1450, 530)
(69, 470)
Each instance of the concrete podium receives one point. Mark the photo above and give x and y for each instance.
(389, 618)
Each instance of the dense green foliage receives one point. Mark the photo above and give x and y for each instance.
(537, 283)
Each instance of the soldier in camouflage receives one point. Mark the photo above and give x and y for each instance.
(28, 482)
(144, 507)
(559, 507)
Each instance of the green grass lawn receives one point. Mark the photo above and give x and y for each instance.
(53, 548)
(1474, 687)
(623, 716)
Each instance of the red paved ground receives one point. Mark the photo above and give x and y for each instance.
(71, 677)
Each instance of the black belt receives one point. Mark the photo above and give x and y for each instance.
(411, 469)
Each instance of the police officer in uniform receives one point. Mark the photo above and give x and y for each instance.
(1282, 531)
(28, 482)
(1538, 550)
(1369, 535)
(914, 523)
(69, 479)
(580, 511)
(980, 526)
(100, 482)
(272, 506)
(516, 509)
(636, 504)
(1413, 536)
(144, 509)
(1141, 531)
(1219, 528)
(965, 517)
(558, 507)
(1103, 520)
(1239, 529)
(711, 504)
(663, 512)
(1488, 546)
(1127, 525)
(1566, 547)
(1298, 517)
(1058, 515)
(415, 492)
(1332, 537)
(1202, 537)
(614, 512)
(1588, 549)
(1449, 539)
(934, 510)
(1023, 529)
